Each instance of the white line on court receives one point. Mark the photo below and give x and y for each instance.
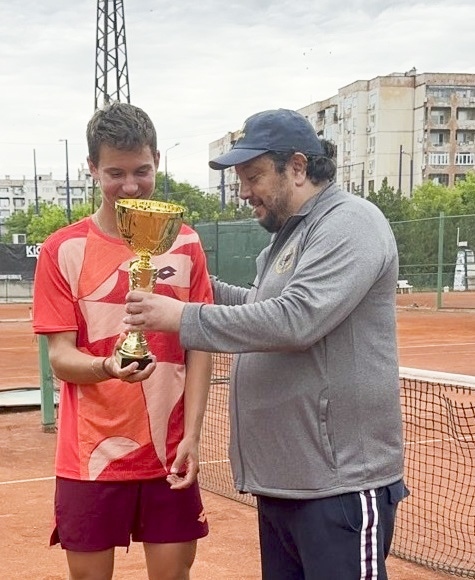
(428, 441)
(15, 481)
(440, 344)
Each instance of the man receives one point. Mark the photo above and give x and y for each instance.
(127, 454)
(316, 429)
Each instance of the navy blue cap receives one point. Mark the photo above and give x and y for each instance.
(277, 130)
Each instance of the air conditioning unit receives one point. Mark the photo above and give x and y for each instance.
(19, 238)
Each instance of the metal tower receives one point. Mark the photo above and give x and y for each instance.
(112, 76)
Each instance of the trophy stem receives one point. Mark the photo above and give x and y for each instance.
(142, 276)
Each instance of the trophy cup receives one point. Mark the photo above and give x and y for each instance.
(149, 228)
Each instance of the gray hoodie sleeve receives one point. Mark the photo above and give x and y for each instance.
(348, 254)
(228, 294)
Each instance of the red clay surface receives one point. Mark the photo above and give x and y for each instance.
(429, 340)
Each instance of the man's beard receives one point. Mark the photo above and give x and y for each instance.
(276, 216)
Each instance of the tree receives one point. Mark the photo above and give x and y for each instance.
(80, 211)
(429, 199)
(198, 206)
(18, 223)
(392, 203)
(466, 189)
(51, 218)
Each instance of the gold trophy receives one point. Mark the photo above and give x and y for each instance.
(149, 228)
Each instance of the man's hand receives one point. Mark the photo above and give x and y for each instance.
(146, 311)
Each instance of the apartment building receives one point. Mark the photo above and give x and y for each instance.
(18, 194)
(406, 127)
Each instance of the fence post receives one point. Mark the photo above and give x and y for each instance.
(216, 233)
(440, 260)
(46, 387)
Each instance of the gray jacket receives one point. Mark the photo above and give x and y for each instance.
(314, 407)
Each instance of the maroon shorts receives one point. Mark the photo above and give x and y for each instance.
(97, 515)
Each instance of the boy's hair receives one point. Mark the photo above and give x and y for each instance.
(120, 126)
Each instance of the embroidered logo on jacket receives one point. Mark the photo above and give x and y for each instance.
(285, 260)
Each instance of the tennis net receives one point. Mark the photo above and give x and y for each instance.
(435, 525)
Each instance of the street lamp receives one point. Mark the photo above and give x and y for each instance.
(68, 193)
(165, 183)
(411, 170)
(37, 206)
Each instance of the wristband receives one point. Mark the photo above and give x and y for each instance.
(96, 371)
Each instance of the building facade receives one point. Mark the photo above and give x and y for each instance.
(19, 194)
(406, 127)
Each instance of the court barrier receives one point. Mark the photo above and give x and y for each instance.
(435, 525)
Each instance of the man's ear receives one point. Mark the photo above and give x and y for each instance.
(92, 169)
(156, 159)
(299, 167)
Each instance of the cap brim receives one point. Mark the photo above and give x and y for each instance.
(235, 157)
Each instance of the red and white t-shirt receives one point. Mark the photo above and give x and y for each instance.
(115, 430)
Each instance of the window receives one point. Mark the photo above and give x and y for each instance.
(440, 178)
(4, 202)
(464, 159)
(439, 92)
(438, 159)
(19, 202)
(465, 137)
(440, 116)
(438, 138)
(466, 114)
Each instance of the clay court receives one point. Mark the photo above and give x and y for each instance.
(442, 341)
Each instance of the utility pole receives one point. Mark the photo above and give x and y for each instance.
(68, 190)
(37, 205)
(112, 76)
(400, 170)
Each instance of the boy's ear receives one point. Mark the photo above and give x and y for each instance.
(92, 169)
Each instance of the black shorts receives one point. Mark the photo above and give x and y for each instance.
(344, 537)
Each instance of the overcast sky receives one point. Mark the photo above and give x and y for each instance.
(200, 67)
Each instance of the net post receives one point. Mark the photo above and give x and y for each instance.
(46, 387)
(440, 260)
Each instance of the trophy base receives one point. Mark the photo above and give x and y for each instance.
(125, 360)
